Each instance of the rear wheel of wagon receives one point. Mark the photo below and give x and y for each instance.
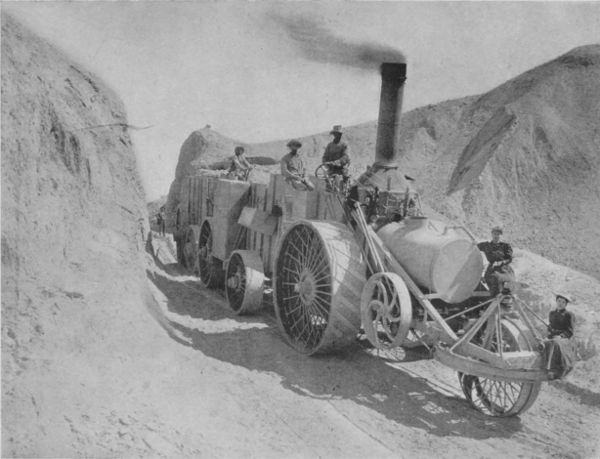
(319, 276)
(210, 268)
(244, 280)
(502, 398)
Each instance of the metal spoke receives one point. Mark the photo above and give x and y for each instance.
(296, 273)
(298, 262)
(322, 306)
(300, 253)
(318, 264)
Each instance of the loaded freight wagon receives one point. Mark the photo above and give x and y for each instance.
(369, 259)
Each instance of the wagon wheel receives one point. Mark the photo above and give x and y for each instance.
(244, 281)
(209, 267)
(319, 274)
(502, 398)
(386, 310)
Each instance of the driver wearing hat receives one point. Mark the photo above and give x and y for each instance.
(336, 155)
(292, 166)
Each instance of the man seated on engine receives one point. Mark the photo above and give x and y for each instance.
(292, 167)
(336, 155)
(499, 257)
(239, 167)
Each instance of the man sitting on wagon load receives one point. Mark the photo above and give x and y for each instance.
(292, 167)
(336, 155)
(499, 257)
(239, 167)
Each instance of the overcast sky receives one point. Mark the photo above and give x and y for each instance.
(180, 66)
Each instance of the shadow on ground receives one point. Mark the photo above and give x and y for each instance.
(354, 375)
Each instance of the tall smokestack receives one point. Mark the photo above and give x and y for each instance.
(384, 173)
(393, 76)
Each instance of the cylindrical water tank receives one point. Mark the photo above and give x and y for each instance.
(438, 257)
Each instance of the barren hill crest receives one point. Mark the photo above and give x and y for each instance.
(523, 155)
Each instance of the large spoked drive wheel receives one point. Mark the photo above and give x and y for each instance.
(244, 279)
(319, 275)
(502, 398)
(386, 310)
(209, 267)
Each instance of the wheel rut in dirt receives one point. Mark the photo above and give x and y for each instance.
(379, 392)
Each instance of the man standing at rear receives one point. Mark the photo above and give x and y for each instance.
(160, 221)
(336, 155)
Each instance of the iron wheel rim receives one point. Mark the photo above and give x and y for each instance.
(236, 292)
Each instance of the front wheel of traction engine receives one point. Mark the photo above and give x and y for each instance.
(502, 398)
(244, 280)
(319, 275)
(210, 268)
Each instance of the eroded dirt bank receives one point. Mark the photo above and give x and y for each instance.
(72, 230)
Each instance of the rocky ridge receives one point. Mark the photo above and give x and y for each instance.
(524, 156)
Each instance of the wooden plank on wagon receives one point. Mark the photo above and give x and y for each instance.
(194, 197)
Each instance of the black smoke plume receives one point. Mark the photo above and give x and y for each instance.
(319, 44)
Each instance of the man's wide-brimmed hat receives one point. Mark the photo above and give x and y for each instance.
(294, 143)
(563, 295)
(337, 129)
(497, 229)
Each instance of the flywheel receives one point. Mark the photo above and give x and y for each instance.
(386, 310)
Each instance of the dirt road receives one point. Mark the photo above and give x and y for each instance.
(241, 391)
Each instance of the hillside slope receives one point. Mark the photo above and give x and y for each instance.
(73, 217)
(524, 155)
(530, 159)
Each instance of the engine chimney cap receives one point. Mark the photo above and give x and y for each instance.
(393, 69)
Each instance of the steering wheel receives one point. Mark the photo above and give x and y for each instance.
(322, 172)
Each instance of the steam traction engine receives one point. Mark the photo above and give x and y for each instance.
(370, 260)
